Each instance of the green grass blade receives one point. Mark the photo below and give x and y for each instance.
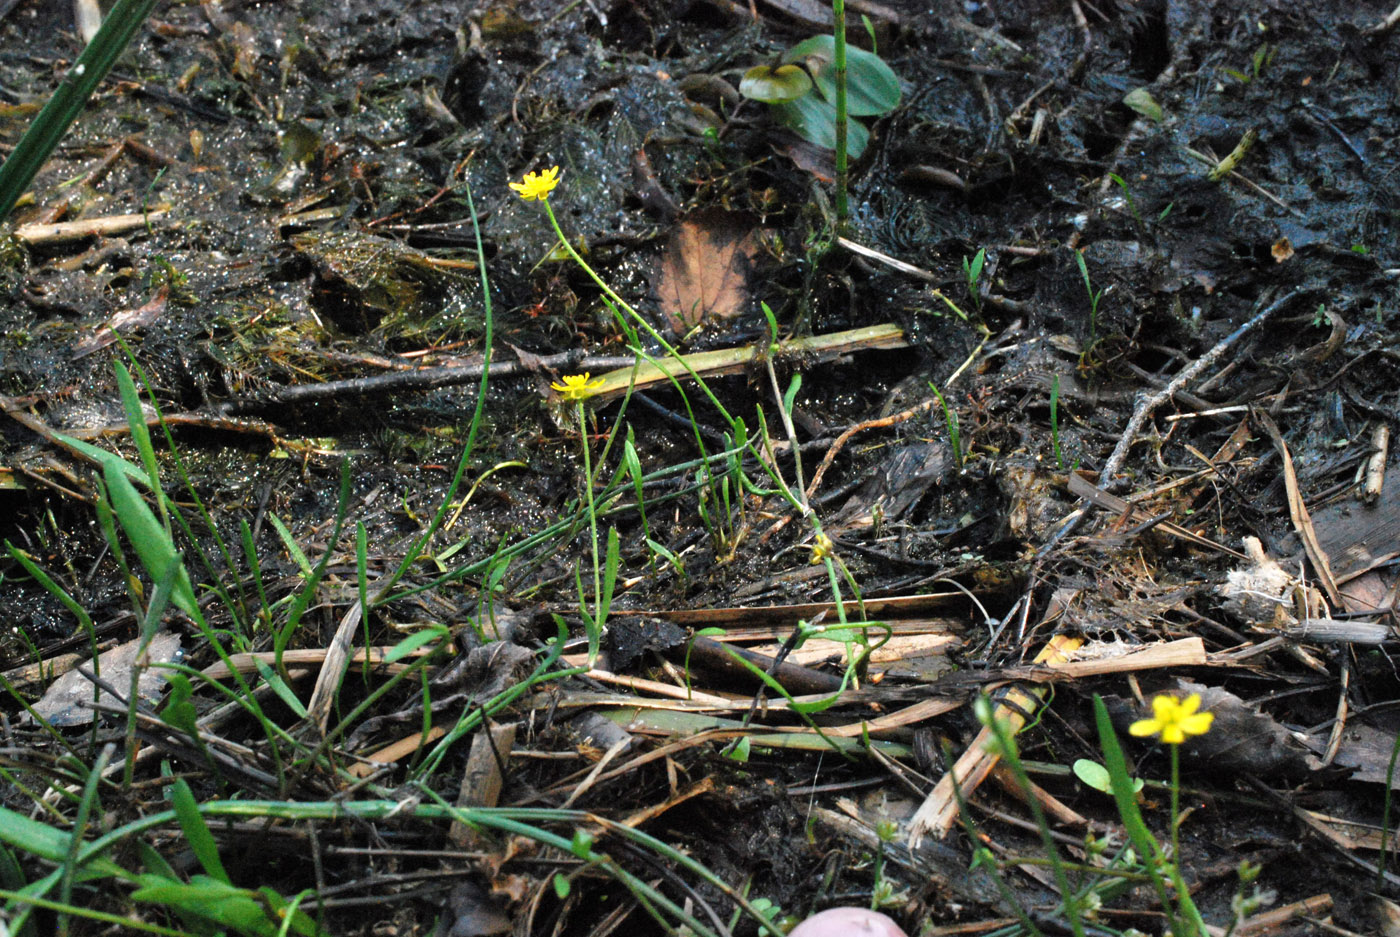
(140, 434)
(43, 136)
(53, 588)
(1121, 783)
(290, 542)
(149, 538)
(197, 834)
(279, 686)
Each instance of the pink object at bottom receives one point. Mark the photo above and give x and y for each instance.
(847, 922)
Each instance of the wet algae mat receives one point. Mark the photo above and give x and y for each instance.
(1096, 387)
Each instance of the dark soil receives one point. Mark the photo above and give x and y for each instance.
(319, 165)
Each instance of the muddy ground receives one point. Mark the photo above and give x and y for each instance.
(303, 173)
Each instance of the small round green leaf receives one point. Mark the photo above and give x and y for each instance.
(1093, 774)
(775, 85)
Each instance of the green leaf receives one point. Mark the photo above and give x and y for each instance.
(104, 458)
(872, 88)
(814, 120)
(255, 913)
(1093, 774)
(414, 641)
(1142, 101)
(290, 543)
(775, 85)
(178, 711)
(279, 686)
(136, 421)
(43, 136)
(197, 834)
(149, 537)
(610, 564)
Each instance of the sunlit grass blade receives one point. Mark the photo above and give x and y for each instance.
(279, 686)
(260, 913)
(148, 537)
(140, 434)
(48, 129)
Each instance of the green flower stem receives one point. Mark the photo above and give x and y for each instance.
(1176, 804)
(621, 303)
(636, 316)
(1011, 757)
(838, 67)
(1183, 895)
(593, 635)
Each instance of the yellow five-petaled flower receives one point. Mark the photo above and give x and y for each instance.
(1173, 719)
(537, 185)
(578, 386)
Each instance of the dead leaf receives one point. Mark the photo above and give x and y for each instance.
(1242, 739)
(1367, 749)
(704, 274)
(123, 321)
(68, 702)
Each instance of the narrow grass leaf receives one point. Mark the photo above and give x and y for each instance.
(416, 640)
(105, 459)
(136, 421)
(1121, 784)
(610, 564)
(53, 588)
(149, 538)
(196, 831)
(43, 136)
(279, 686)
(290, 543)
(220, 903)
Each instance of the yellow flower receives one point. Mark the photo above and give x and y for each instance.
(822, 547)
(1173, 719)
(577, 386)
(537, 185)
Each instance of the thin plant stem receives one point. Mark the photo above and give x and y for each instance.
(593, 532)
(1176, 804)
(1006, 743)
(1386, 836)
(636, 316)
(838, 68)
(1190, 914)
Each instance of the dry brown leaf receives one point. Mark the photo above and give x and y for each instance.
(704, 274)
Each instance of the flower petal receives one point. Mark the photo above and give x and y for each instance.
(1197, 724)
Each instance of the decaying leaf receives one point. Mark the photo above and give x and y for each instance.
(1366, 749)
(1242, 739)
(68, 702)
(704, 274)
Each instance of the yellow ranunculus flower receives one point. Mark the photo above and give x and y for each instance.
(537, 185)
(577, 386)
(1173, 719)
